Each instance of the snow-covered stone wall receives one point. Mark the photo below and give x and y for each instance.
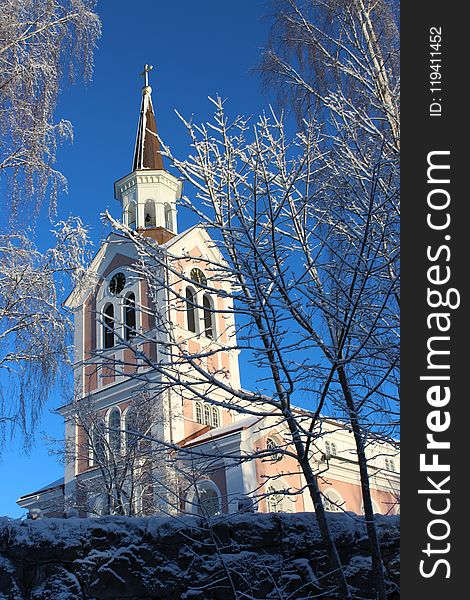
(112, 558)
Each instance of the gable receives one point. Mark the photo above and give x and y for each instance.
(197, 242)
(115, 251)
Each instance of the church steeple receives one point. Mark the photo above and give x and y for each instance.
(147, 153)
(149, 193)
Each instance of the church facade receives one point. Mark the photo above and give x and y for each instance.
(154, 426)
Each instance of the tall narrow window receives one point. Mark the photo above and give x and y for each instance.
(209, 504)
(129, 316)
(199, 412)
(330, 448)
(208, 317)
(99, 446)
(115, 429)
(150, 217)
(108, 329)
(191, 309)
(274, 500)
(215, 417)
(131, 429)
(332, 502)
(271, 444)
(168, 217)
(131, 215)
(207, 414)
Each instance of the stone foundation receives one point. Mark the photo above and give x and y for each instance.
(265, 556)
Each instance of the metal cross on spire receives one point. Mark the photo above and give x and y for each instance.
(145, 73)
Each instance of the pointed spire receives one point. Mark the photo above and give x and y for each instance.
(147, 153)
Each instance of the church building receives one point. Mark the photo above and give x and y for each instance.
(155, 425)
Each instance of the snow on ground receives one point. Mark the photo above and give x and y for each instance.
(175, 558)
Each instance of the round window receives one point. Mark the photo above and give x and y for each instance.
(117, 283)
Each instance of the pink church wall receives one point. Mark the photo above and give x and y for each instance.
(226, 417)
(120, 260)
(213, 363)
(193, 347)
(225, 360)
(388, 502)
(83, 463)
(94, 374)
(190, 424)
(195, 252)
(91, 378)
(185, 266)
(89, 342)
(147, 318)
(177, 298)
(130, 364)
(107, 372)
(349, 492)
(283, 471)
(82, 443)
(268, 472)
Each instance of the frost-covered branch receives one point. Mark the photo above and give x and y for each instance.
(34, 330)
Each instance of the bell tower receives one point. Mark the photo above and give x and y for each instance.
(149, 193)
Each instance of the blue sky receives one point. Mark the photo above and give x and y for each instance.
(198, 49)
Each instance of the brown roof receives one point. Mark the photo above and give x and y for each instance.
(147, 153)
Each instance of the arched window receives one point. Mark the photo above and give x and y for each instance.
(199, 413)
(208, 317)
(115, 429)
(131, 429)
(271, 444)
(168, 217)
(97, 504)
(191, 309)
(375, 508)
(208, 500)
(129, 316)
(332, 502)
(150, 216)
(274, 500)
(99, 445)
(390, 465)
(131, 215)
(108, 329)
(215, 417)
(207, 414)
(198, 276)
(330, 448)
